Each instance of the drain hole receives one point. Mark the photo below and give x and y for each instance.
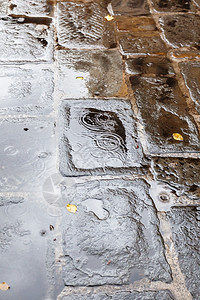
(164, 197)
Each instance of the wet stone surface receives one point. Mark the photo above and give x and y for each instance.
(186, 232)
(130, 7)
(120, 295)
(159, 66)
(30, 7)
(177, 30)
(136, 24)
(89, 73)
(160, 100)
(147, 43)
(24, 39)
(26, 90)
(82, 25)
(172, 6)
(3, 7)
(25, 165)
(182, 173)
(98, 248)
(99, 137)
(24, 250)
(191, 74)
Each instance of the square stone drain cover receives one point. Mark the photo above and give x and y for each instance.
(99, 137)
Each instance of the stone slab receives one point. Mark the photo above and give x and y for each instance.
(83, 25)
(31, 7)
(136, 24)
(27, 153)
(186, 231)
(157, 66)
(89, 73)
(113, 238)
(25, 244)
(119, 295)
(191, 74)
(164, 111)
(141, 44)
(130, 7)
(177, 30)
(172, 6)
(25, 39)
(182, 173)
(26, 90)
(3, 7)
(99, 137)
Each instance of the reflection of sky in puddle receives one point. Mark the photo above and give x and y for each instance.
(23, 250)
(70, 86)
(96, 206)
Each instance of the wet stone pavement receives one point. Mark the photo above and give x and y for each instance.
(100, 149)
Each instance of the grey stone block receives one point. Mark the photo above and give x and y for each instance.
(191, 74)
(113, 238)
(99, 137)
(26, 90)
(164, 112)
(121, 295)
(27, 153)
(24, 39)
(31, 7)
(186, 233)
(177, 30)
(130, 7)
(82, 25)
(89, 73)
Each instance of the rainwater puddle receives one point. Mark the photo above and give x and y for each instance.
(96, 206)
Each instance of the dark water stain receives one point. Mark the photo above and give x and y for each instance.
(31, 20)
(169, 123)
(183, 4)
(108, 124)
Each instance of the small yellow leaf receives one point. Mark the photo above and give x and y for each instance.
(71, 208)
(4, 286)
(79, 77)
(109, 18)
(177, 137)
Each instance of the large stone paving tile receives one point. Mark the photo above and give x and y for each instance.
(99, 137)
(182, 173)
(24, 39)
(83, 25)
(119, 295)
(177, 30)
(172, 6)
(31, 7)
(26, 90)
(130, 7)
(89, 73)
(191, 74)
(164, 111)
(141, 43)
(3, 7)
(27, 153)
(113, 238)
(159, 66)
(25, 243)
(186, 232)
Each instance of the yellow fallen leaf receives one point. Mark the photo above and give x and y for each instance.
(177, 137)
(109, 18)
(4, 286)
(71, 208)
(79, 77)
